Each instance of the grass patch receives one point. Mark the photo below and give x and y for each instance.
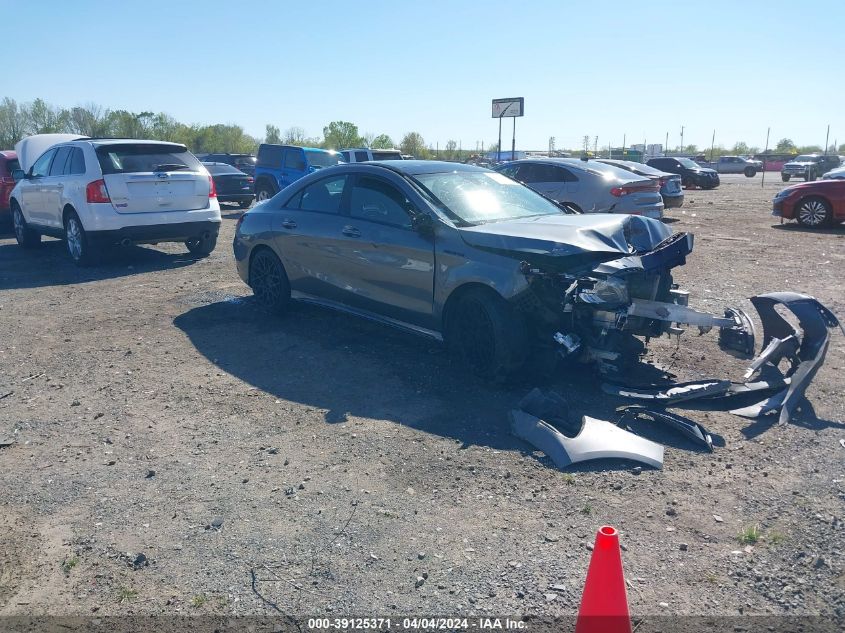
(587, 509)
(69, 563)
(568, 479)
(125, 594)
(775, 538)
(199, 600)
(750, 535)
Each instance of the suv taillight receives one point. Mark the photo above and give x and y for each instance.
(96, 192)
(212, 190)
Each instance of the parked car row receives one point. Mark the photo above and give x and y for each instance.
(809, 166)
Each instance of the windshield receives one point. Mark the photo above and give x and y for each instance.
(480, 197)
(688, 163)
(323, 159)
(805, 159)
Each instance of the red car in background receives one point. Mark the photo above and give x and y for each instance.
(8, 163)
(812, 204)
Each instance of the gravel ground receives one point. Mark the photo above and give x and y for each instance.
(177, 451)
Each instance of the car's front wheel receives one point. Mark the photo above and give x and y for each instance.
(78, 244)
(813, 212)
(202, 245)
(269, 281)
(25, 236)
(750, 172)
(785, 177)
(487, 335)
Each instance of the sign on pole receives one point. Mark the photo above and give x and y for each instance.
(508, 107)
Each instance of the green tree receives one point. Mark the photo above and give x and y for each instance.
(741, 148)
(785, 146)
(382, 141)
(412, 143)
(89, 120)
(45, 119)
(272, 134)
(841, 149)
(451, 149)
(294, 136)
(341, 134)
(14, 122)
(809, 149)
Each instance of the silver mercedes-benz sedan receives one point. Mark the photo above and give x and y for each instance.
(470, 256)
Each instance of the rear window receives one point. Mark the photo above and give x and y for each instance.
(147, 157)
(323, 159)
(387, 155)
(221, 169)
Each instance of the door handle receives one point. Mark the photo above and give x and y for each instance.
(288, 223)
(351, 231)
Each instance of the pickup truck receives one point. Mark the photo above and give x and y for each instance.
(735, 165)
(809, 166)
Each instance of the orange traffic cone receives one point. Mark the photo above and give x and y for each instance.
(604, 604)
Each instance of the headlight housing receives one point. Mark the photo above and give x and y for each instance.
(610, 291)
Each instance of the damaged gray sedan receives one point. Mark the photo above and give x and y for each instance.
(470, 256)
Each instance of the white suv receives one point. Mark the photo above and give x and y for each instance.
(96, 193)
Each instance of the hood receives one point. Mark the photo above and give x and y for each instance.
(568, 239)
(801, 163)
(31, 147)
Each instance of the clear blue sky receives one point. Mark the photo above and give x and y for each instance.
(585, 68)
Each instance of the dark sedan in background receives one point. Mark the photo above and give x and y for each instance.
(469, 256)
(671, 185)
(692, 174)
(232, 184)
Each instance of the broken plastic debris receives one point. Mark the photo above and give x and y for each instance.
(687, 427)
(597, 440)
(671, 393)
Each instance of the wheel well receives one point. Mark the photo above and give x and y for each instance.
(455, 296)
(266, 179)
(67, 211)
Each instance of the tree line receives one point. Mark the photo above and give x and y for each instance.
(18, 120)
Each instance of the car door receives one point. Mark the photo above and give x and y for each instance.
(31, 194)
(53, 186)
(293, 166)
(307, 233)
(386, 265)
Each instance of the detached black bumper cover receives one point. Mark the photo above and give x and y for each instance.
(154, 233)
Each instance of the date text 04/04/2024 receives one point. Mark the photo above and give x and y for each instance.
(433, 623)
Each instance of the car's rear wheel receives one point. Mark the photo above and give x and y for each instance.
(750, 172)
(78, 245)
(269, 281)
(813, 212)
(244, 204)
(486, 334)
(202, 245)
(25, 236)
(785, 177)
(264, 192)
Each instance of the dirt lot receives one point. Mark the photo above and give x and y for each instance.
(151, 398)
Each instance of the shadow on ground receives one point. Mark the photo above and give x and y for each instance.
(50, 265)
(347, 366)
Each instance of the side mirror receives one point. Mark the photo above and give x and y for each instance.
(422, 223)
(18, 174)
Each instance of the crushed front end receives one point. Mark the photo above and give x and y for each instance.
(606, 313)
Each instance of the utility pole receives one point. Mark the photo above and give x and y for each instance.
(826, 139)
(763, 179)
(712, 145)
(666, 147)
(682, 139)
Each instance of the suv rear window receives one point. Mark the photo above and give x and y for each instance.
(220, 169)
(12, 164)
(387, 155)
(147, 157)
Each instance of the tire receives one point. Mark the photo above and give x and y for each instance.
(750, 172)
(487, 335)
(269, 281)
(25, 236)
(76, 239)
(245, 204)
(813, 212)
(202, 245)
(264, 191)
(785, 177)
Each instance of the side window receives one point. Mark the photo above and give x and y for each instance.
(526, 174)
(59, 162)
(77, 162)
(344, 156)
(378, 201)
(323, 196)
(270, 156)
(564, 175)
(540, 173)
(509, 171)
(42, 165)
(294, 160)
(361, 157)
